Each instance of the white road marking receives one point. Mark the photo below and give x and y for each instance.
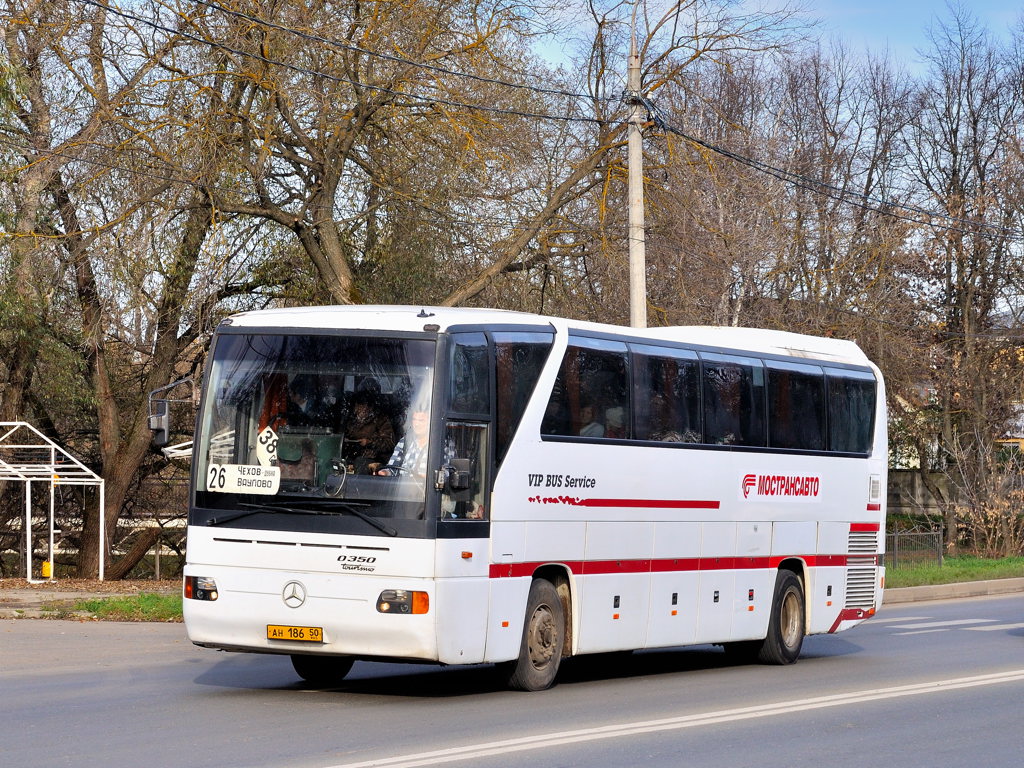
(990, 627)
(930, 624)
(618, 730)
(892, 619)
(927, 631)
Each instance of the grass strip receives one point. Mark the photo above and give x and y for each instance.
(954, 570)
(145, 606)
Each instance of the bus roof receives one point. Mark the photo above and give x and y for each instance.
(414, 318)
(381, 317)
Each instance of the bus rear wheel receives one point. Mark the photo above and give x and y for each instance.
(786, 624)
(322, 671)
(540, 652)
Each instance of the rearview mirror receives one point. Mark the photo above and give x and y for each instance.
(160, 422)
(160, 413)
(458, 479)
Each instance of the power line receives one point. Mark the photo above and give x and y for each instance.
(878, 205)
(155, 174)
(881, 206)
(440, 217)
(335, 43)
(426, 100)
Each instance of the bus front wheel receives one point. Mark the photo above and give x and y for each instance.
(786, 624)
(322, 671)
(540, 652)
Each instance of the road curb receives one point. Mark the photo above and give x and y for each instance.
(951, 591)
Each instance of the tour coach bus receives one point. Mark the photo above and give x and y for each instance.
(466, 486)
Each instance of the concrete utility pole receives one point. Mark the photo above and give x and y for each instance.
(637, 243)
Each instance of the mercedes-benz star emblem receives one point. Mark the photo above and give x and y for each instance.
(293, 594)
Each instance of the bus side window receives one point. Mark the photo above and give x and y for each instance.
(519, 358)
(796, 406)
(734, 407)
(465, 464)
(666, 395)
(851, 411)
(591, 393)
(469, 388)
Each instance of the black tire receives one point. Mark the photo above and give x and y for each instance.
(322, 671)
(540, 652)
(786, 623)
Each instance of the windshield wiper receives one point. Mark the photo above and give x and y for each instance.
(337, 509)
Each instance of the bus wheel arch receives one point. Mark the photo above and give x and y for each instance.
(545, 633)
(560, 577)
(787, 622)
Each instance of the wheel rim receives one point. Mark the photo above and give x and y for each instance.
(542, 637)
(790, 619)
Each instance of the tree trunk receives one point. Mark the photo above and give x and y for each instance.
(121, 466)
(144, 542)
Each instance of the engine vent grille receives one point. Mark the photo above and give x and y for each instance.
(863, 542)
(862, 569)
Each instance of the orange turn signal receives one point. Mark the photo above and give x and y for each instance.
(420, 602)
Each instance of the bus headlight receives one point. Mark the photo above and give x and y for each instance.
(200, 588)
(403, 601)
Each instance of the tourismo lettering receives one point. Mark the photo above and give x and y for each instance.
(787, 485)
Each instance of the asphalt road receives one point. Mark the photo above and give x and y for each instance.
(922, 684)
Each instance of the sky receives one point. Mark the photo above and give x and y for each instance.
(901, 25)
(897, 26)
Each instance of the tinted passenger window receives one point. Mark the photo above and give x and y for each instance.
(733, 400)
(666, 395)
(851, 411)
(519, 359)
(796, 406)
(469, 389)
(591, 393)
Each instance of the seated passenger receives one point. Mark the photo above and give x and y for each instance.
(410, 452)
(615, 422)
(300, 411)
(591, 427)
(369, 436)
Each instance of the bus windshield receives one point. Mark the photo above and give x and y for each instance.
(300, 431)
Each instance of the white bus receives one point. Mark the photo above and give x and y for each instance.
(536, 488)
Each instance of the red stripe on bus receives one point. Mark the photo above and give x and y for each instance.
(667, 565)
(576, 501)
(652, 503)
(819, 561)
(520, 570)
(593, 567)
(675, 565)
(861, 527)
(849, 614)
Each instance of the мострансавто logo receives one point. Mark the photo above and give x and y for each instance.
(805, 487)
(749, 481)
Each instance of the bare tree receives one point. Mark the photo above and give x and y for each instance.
(968, 112)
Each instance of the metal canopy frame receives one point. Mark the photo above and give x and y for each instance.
(29, 456)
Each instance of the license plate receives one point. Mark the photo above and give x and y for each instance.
(302, 634)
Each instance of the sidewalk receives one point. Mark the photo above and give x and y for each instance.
(21, 600)
(949, 591)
